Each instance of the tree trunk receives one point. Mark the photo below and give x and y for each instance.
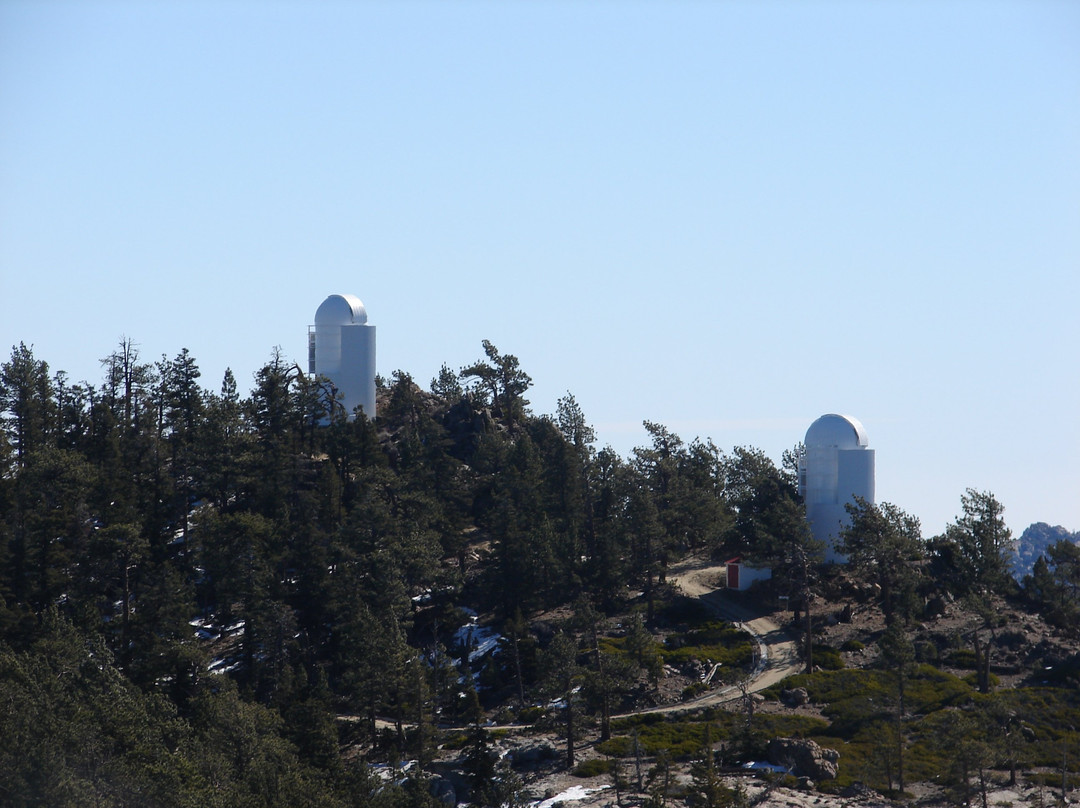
(982, 663)
(569, 732)
(605, 699)
(517, 671)
(900, 731)
(809, 639)
(1064, 772)
(637, 761)
(125, 625)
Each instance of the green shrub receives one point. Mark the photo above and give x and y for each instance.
(612, 645)
(961, 658)
(716, 641)
(860, 708)
(632, 721)
(1053, 780)
(683, 609)
(784, 726)
(972, 679)
(619, 746)
(930, 689)
(827, 658)
(593, 767)
(1054, 715)
(925, 651)
(680, 738)
(852, 645)
(696, 689)
(1065, 673)
(530, 715)
(457, 740)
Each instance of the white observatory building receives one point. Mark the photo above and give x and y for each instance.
(341, 347)
(836, 468)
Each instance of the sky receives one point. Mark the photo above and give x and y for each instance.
(725, 217)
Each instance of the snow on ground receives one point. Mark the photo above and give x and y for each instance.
(203, 629)
(480, 640)
(572, 794)
(760, 766)
(235, 628)
(222, 665)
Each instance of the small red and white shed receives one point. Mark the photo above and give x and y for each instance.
(742, 575)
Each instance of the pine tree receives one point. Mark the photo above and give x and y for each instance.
(27, 405)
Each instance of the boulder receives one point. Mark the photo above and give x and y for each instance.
(935, 607)
(856, 790)
(532, 755)
(804, 757)
(443, 791)
(795, 697)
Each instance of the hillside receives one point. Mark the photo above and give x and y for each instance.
(214, 600)
(1035, 670)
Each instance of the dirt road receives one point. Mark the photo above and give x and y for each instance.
(777, 654)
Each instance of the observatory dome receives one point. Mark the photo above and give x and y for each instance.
(840, 431)
(341, 310)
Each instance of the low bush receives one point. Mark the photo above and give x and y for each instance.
(593, 767)
(1053, 780)
(680, 738)
(619, 746)
(715, 641)
(628, 723)
(1055, 712)
(530, 715)
(455, 740)
(961, 658)
(1066, 672)
(694, 690)
(827, 658)
(686, 610)
(972, 679)
(860, 706)
(925, 651)
(930, 689)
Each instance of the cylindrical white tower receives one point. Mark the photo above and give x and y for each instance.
(836, 468)
(341, 347)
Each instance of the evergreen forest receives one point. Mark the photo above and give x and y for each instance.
(208, 599)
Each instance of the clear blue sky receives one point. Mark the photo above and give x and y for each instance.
(727, 217)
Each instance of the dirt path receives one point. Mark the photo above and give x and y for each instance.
(777, 654)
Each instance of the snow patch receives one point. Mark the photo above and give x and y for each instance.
(570, 795)
(761, 766)
(480, 640)
(222, 665)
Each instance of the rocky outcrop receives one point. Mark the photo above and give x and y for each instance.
(935, 607)
(804, 757)
(531, 755)
(795, 697)
(443, 791)
(1033, 542)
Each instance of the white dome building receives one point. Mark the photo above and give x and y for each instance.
(341, 347)
(837, 467)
